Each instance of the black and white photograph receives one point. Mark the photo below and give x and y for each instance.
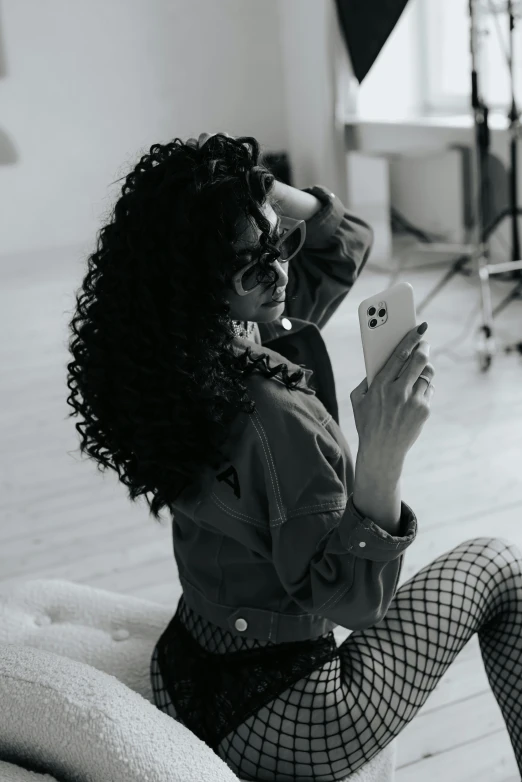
(260, 390)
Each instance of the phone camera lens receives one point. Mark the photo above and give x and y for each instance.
(371, 311)
(373, 323)
(382, 313)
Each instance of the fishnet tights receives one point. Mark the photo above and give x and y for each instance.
(333, 720)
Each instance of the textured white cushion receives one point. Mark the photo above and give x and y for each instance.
(112, 632)
(76, 694)
(9, 772)
(70, 720)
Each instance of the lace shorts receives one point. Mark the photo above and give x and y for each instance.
(214, 693)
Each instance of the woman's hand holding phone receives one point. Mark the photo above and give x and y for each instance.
(390, 415)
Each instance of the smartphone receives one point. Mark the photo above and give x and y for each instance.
(385, 319)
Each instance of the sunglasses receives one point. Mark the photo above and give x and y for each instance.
(291, 239)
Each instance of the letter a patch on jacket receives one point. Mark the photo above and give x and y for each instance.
(229, 476)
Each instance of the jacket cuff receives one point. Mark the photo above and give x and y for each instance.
(324, 223)
(366, 540)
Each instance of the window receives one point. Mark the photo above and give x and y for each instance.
(445, 30)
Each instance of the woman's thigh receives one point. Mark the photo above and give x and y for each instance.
(328, 725)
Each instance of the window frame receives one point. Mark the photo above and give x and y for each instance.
(437, 101)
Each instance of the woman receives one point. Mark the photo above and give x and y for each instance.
(277, 538)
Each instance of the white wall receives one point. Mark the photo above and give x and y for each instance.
(319, 92)
(89, 85)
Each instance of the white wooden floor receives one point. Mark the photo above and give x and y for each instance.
(61, 518)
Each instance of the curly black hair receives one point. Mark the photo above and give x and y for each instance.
(153, 375)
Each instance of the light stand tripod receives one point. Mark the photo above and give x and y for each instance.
(480, 250)
(513, 210)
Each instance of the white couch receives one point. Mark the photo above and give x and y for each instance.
(76, 695)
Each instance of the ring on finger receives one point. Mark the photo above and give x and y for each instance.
(428, 381)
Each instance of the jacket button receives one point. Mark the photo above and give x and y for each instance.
(286, 324)
(240, 624)
(362, 544)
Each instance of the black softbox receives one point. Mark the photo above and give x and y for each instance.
(366, 26)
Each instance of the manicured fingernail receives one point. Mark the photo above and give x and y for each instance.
(422, 328)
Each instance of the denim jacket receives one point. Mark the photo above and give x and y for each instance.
(271, 546)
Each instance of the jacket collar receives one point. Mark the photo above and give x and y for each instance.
(274, 330)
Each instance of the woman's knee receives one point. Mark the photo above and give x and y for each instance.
(499, 550)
